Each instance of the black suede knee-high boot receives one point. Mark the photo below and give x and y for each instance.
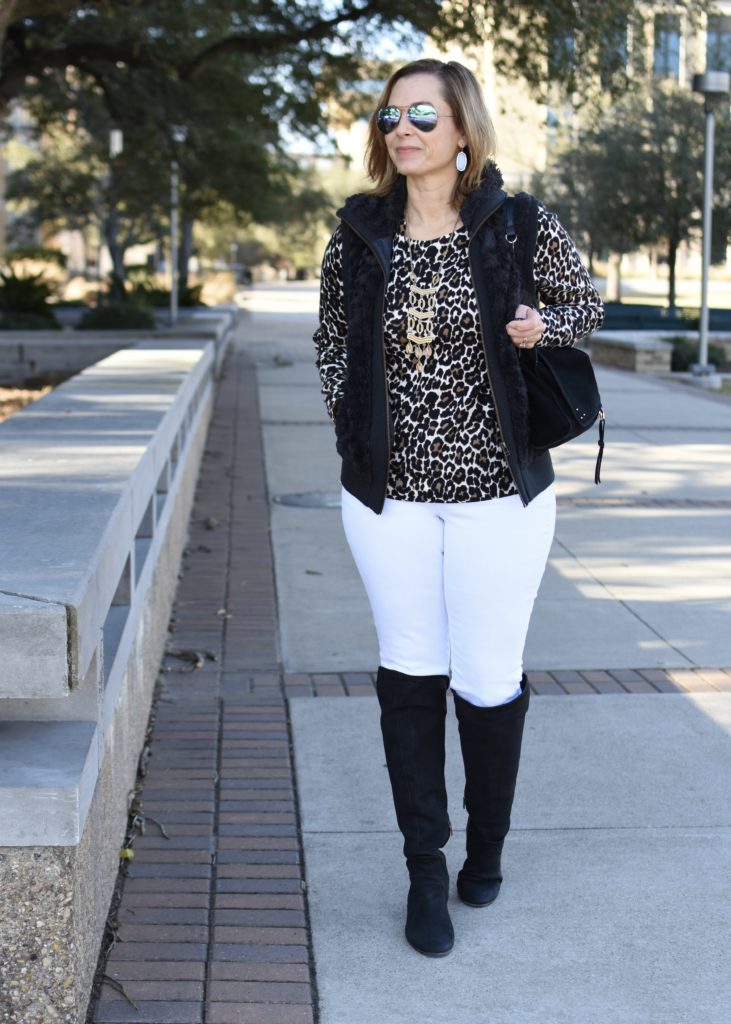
(413, 712)
(491, 741)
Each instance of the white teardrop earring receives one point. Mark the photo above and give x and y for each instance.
(461, 161)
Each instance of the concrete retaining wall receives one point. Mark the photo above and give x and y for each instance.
(97, 481)
(56, 355)
(640, 351)
(645, 351)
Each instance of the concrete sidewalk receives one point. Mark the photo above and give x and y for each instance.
(615, 904)
(613, 908)
(644, 557)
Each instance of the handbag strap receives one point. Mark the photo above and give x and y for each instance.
(600, 442)
(529, 297)
(511, 237)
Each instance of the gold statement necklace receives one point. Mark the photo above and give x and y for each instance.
(422, 305)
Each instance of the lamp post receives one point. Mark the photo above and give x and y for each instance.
(179, 135)
(116, 143)
(107, 223)
(714, 86)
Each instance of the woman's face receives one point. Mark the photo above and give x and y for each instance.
(417, 153)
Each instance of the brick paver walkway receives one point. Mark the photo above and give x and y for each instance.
(212, 924)
(549, 684)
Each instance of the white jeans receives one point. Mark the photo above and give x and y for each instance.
(452, 586)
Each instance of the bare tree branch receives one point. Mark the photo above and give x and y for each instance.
(266, 43)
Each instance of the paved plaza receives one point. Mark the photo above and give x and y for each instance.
(269, 885)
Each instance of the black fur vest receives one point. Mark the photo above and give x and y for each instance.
(502, 273)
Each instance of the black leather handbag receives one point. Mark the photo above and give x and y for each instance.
(563, 395)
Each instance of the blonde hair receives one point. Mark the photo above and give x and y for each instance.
(461, 90)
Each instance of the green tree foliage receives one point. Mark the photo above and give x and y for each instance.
(314, 44)
(233, 153)
(244, 77)
(636, 176)
(673, 178)
(72, 183)
(565, 47)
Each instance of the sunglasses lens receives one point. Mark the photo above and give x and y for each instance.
(423, 116)
(387, 118)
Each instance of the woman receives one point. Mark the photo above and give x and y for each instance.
(449, 513)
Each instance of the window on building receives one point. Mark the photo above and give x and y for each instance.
(615, 51)
(561, 54)
(667, 46)
(718, 43)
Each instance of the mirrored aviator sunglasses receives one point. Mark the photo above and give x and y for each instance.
(422, 115)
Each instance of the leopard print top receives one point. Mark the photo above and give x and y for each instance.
(446, 445)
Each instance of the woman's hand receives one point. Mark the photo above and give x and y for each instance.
(526, 330)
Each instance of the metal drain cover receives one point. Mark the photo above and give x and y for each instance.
(308, 499)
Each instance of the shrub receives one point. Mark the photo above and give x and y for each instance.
(151, 295)
(717, 356)
(121, 316)
(38, 254)
(685, 353)
(24, 302)
(29, 322)
(28, 294)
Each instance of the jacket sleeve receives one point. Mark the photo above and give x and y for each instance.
(571, 307)
(331, 333)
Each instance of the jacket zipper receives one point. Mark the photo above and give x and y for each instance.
(503, 443)
(389, 428)
(383, 352)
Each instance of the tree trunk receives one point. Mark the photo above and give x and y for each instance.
(184, 253)
(117, 250)
(8, 13)
(614, 278)
(672, 257)
(84, 252)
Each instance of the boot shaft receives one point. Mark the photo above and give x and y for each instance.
(413, 714)
(491, 741)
